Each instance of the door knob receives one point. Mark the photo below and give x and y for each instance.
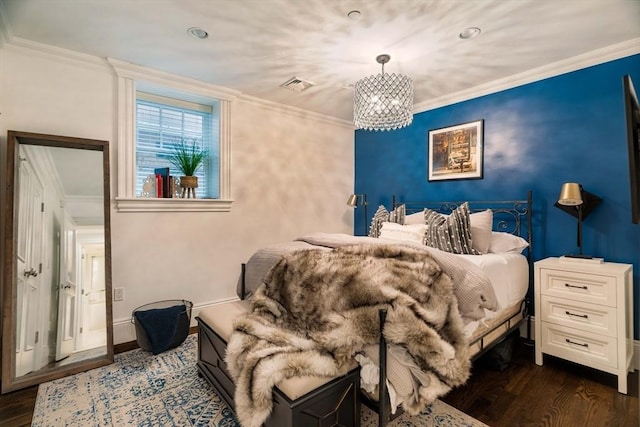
(31, 272)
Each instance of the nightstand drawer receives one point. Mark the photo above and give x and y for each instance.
(579, 346)
(594, 318)
(579, 286)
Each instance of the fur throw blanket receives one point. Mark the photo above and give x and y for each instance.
(318, 308)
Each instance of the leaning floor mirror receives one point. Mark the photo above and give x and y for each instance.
(56, 287)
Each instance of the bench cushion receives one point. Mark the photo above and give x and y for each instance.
(220, 318)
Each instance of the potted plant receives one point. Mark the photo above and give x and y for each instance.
(188, 158)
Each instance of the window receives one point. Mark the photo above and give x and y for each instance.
(174, 96)
(162, 124)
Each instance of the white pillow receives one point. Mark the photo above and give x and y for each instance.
(414, 218)
(506, 243)
(409, 233)
(481, 224)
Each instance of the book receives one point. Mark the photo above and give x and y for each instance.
(164, 186)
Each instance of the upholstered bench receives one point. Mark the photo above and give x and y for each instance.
(297, 401)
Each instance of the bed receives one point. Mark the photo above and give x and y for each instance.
(498, 252)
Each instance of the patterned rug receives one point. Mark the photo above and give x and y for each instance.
(140, 389)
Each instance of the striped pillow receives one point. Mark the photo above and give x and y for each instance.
(398, 214)
(450, 233)
(383, 215)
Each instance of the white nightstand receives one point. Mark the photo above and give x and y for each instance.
(584, 313)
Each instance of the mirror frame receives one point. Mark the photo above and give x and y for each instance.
(9, 381)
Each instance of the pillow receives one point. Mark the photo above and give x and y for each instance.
(409, 233)
(383, 215)
(506, 243)
(398, 214)
(481, 224)
(450, 233)
(414, 218)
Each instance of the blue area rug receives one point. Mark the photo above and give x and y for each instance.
(141, 389)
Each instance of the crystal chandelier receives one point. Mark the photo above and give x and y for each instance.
(383, 101)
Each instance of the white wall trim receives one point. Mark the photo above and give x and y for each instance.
(295, 111)
(130, 78)
(599, 56)
(172, 81)
(609, 53)
(635, 362)
(124, 330)
(57, 53)
(133, 70)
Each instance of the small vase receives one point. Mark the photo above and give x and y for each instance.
(188, 185)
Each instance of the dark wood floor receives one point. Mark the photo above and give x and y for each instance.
(556, 394)
(559, 393)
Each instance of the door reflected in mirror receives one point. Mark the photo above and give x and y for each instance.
(57, 284)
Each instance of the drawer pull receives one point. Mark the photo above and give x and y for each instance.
(576, 343)
(577, 287)
(584, 316)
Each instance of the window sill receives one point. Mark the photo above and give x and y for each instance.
(172, 205)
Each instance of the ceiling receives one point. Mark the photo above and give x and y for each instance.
(254, 46)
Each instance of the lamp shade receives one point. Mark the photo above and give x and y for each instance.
(570, 195)
(352, 200)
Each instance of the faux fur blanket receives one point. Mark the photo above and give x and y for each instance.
(318, 308)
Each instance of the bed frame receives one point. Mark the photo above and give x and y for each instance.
(512, 216)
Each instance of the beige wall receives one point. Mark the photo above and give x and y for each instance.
(291, 175)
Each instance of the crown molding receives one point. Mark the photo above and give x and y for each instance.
(56, 53)
(589, 59)
(187, 84)
(134, 71)
(295, 111)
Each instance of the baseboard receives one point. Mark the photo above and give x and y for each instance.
(132, 345)
(125, 335)
(124, 332)
(636, 344)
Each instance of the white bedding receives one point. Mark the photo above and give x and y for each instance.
(508, 272)
(509, 276)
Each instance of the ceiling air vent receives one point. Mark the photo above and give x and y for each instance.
(297, 85)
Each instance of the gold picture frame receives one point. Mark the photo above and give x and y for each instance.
(456, 152)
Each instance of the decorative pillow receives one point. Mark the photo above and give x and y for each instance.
(506, 243)
(408, 233)
(398, 214)
(414, 218)
(383, 215)
(481, 224)
(450, 233)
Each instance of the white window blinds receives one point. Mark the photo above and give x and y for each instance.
(162, 124)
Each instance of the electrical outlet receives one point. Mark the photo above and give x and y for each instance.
(118, 294)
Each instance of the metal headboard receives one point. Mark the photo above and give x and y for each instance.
(509, 216)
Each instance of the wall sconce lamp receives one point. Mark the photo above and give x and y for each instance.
(575, 201)
(356, 200)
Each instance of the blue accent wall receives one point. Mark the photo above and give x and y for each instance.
(569, 128)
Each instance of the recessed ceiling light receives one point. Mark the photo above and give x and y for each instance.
(469, 33)
(354, 15)
(198, 33)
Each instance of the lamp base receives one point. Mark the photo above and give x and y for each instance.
(581, 259)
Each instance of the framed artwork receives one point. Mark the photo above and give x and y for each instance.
(456, 152)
